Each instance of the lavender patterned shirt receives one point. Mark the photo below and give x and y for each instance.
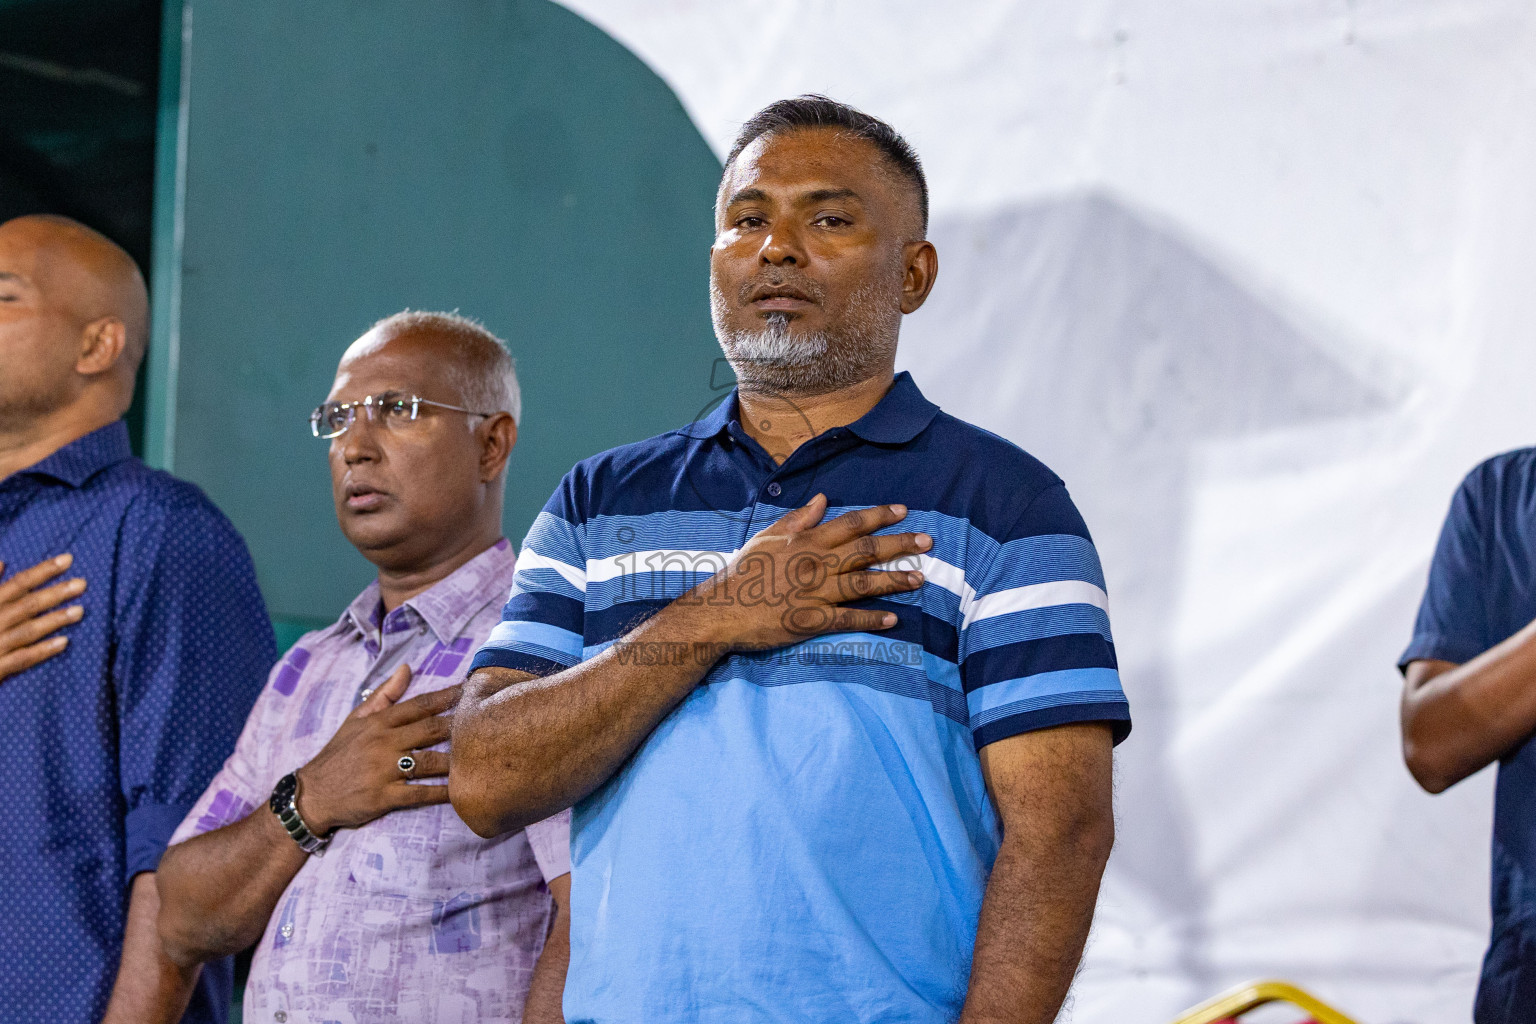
(412, 916)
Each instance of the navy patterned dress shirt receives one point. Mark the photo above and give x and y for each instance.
(105, 747)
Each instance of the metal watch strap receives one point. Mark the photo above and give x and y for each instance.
(284, 804)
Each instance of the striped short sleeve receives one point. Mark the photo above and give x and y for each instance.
(541, 625)
(1035, 644)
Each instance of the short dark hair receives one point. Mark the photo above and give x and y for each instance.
(815, 111)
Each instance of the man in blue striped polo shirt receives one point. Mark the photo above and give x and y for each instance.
(827, 675)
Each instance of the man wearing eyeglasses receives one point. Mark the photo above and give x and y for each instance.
(326, 840)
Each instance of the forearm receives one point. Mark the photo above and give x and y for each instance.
(547, 991)
(1457, 719)
(218, 890)
(150, 988)
(524, 751)
(1034, 923)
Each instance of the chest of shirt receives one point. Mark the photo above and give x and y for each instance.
(424, 852)
(316, 686)
(1511, 596)
(40, 520)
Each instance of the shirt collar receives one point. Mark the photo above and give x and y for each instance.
(84, 457)
(897, 418)
(449, 604)
(719, 418)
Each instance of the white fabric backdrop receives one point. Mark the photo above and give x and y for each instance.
(1257, 280)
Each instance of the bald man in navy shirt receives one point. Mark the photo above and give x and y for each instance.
(133, 641)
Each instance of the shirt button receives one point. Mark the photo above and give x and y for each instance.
(774, 490)
(279, 1016)
(286, 930)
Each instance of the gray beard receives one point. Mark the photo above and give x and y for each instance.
(777, 360)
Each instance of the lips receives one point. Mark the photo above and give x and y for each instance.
(769, 294)
(362, 498)
(782, 295)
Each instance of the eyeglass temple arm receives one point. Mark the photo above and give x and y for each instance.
(455, 408)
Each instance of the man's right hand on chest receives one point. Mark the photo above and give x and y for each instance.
(29, 613)
(792, 581)
(358, 777)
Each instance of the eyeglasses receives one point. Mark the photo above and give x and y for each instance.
(396, 410)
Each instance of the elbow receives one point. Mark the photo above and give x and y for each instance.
(473, 811)
(1429, 771)
(180, 938)
(188, 937)
(481, 805)
(1084, 839)
(177, 950)
(1096, 838)
(186, 944)
(174, 927)
(1431, 764)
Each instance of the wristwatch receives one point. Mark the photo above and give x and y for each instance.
(284, 804)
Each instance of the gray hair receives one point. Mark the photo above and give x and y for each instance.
(483, 370)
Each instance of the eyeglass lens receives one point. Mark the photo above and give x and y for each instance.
(392, 408)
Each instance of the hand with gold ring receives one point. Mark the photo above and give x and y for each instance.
(373, 764)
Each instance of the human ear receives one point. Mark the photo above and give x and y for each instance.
(498, 438)
(101, 343)
(922, 262)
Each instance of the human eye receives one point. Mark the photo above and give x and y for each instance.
(832, 220)
(750, 221)
(332, 417)
(395, 406)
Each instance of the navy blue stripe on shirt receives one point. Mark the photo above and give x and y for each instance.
(540, 606)
(1031, 657)
(516, 659)
(1117, 713)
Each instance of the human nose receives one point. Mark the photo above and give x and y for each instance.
(782, 246)
(358, 442)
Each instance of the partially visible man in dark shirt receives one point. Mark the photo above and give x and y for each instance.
(122, 688)
(1470, 699)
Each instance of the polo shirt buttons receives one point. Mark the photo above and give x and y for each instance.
(774, 490)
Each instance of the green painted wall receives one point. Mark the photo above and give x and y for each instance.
(346, 159)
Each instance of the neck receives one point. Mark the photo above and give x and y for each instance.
(398, 584)
(27, 443)
(782, 422)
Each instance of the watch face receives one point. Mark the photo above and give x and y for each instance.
(283, 792)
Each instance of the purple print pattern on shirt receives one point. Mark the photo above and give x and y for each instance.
(312, 714)
(293, 667)
(285, 923)
(456, 924)
(398, 621)
(444, 660)
(226, 809)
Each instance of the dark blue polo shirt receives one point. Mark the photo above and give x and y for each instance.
(807, 837)
(105, 747)
(1482, 590)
